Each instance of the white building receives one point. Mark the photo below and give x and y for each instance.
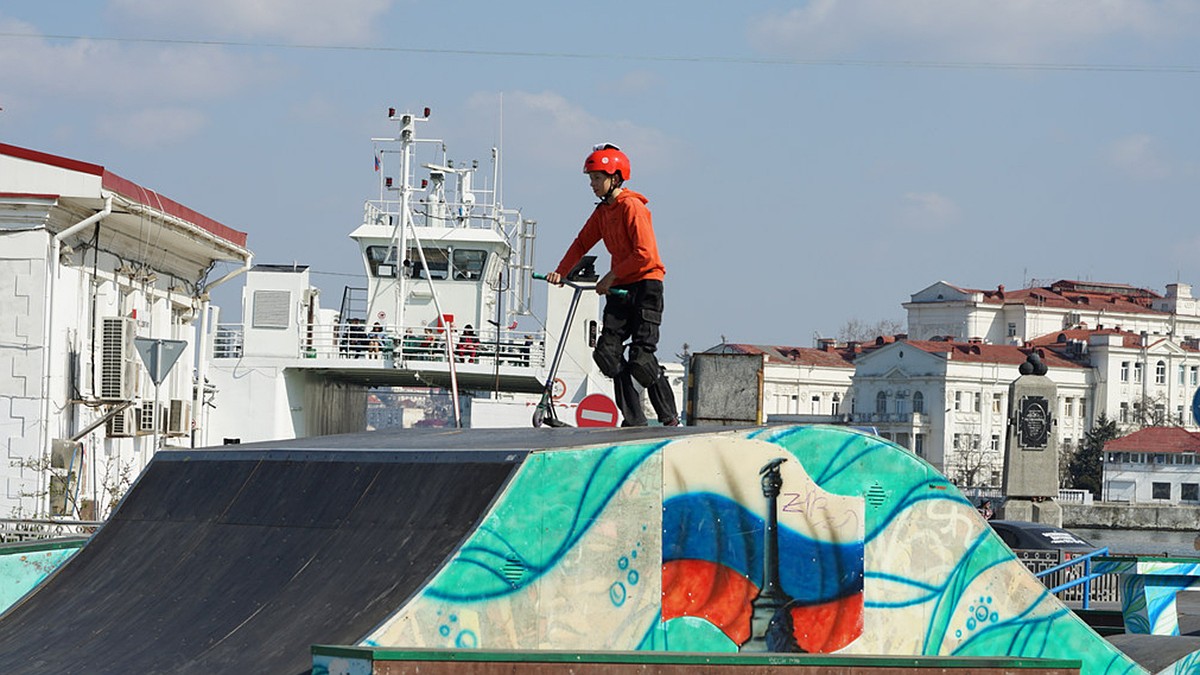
(1014, 317)
(1153, 465)
(948, 401)
(942, 389)
(89, 261)
(802, 383)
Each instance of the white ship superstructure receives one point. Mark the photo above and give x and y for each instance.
(446, 304)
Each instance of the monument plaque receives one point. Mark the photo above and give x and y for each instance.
(1033, 423)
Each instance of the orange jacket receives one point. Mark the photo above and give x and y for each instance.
(628, 234)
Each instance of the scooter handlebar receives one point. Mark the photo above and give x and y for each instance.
(616, 292)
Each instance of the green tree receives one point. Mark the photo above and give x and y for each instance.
(1086, 467)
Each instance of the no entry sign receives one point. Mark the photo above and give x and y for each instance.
(596, 410)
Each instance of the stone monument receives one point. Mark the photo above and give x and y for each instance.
(1031, 450)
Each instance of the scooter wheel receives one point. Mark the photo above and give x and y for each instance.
(538, 415)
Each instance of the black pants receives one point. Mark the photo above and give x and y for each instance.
(635, 317)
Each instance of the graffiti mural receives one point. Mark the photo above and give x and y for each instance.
(753, 546)
(780, 539)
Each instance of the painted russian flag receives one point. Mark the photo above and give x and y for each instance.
(377, 162)
(713, 551)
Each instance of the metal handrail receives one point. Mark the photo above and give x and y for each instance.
(1085, 580)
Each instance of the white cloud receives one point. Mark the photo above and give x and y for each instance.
(929, 211)
(152, 127)
(564, 131)
(121, 72)
(301, 21)
(1139, 157)
(1007, 30)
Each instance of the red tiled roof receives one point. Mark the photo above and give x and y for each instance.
(130, 190)
(805, 356)
(1157, 439)
(1081, 295)
(984, 353)
(1063, 336)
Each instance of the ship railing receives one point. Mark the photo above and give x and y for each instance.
(228, 341)
(415, 344)
(480, 216)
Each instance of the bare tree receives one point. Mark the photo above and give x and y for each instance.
(857, 330)
(1147, 411)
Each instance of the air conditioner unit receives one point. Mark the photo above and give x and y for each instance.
(150, 414)
(179, 419)
(123, 424)
(118, 359)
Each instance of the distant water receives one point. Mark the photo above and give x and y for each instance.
(1149, 542)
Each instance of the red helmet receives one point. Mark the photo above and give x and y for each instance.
(608, 158)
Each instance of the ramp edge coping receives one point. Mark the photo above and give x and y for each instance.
(550, 656)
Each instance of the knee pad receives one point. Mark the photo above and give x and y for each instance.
(643, 366)
(608, 357)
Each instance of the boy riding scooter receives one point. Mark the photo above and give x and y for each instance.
(623, 222)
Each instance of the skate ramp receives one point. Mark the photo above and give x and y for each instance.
(662, 545)
(615, 540)
(222, 562)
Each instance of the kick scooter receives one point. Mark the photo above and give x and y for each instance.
(544, 413)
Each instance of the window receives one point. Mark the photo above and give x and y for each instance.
(1160, 372)
(1124, 416)
(1012, 330)
(1182, 374)
(918, 402)
(1068, 407)
(382, 261)
(1137, 372)
(995, 443)
(958, 401)
(881, 402)
(1179, 415)
(436, 260)
(468, 264)
(1195, 373)
(997, 403)
(837, 403)
(1160, 490)
(978, 401)
(816, 404)
(900, 406)
(1190, 492)
(1124, 371)
(957, 441)
(919, 444)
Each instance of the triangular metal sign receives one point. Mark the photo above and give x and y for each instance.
(159, 355)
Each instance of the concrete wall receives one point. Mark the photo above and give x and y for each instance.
(1132, 516)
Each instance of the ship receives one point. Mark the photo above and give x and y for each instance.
(446, 312)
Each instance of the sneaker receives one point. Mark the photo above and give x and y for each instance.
(673, 422)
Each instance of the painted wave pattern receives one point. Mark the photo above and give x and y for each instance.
(976, 600)
(589, 549)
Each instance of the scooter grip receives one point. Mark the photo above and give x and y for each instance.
(539, 276)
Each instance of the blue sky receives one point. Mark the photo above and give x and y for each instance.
(807, 163)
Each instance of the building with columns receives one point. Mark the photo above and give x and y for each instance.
(941, 390)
